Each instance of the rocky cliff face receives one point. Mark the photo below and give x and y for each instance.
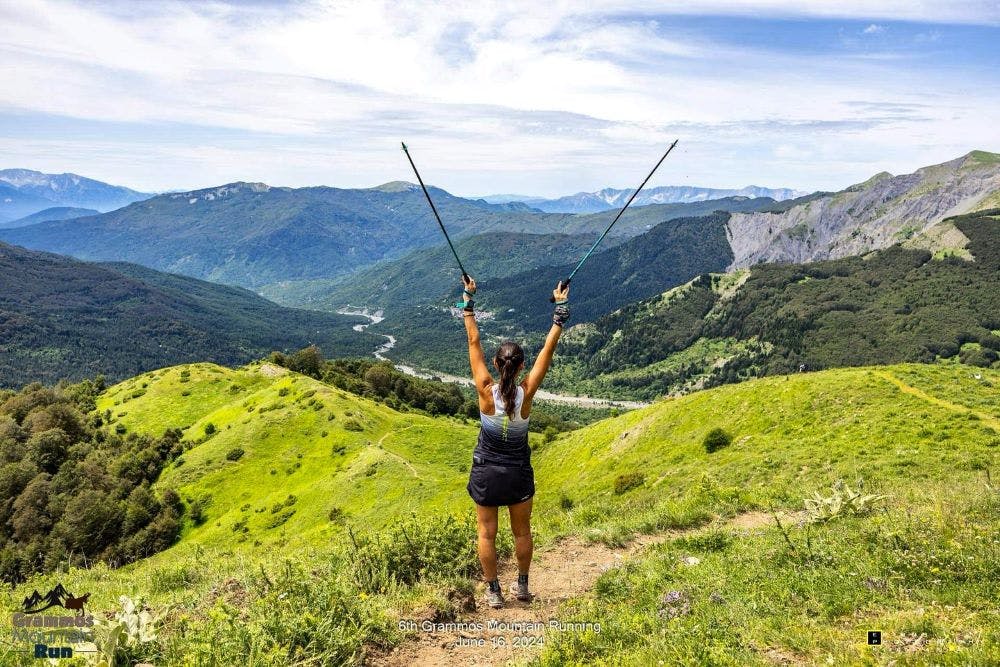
(875, 214)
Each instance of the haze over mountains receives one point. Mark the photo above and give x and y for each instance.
(36, 191)
(51, 213)
(614, 198)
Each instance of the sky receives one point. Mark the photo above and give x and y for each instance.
(542, 99)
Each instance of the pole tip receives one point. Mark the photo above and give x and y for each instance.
(403, 144)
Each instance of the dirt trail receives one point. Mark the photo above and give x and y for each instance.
(924, 396)
(562, 571)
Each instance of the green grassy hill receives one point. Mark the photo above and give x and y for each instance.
(331, 450)
(275, 581)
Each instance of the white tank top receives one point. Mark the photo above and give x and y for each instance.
(498, 424)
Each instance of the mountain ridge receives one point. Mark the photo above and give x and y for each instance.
(870, 215)
(69, 189)
(609, 198)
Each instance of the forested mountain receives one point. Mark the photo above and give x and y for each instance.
(895, 305)
(429, 275)
(51, 213)
(670, 254)
(61, 318)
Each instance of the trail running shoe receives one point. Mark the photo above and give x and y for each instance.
(521, 591)
(494, 598)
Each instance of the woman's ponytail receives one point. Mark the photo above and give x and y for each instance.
(508, 361)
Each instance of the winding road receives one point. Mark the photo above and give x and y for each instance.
(377, 316)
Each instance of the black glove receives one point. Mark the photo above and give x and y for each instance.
(561, 314)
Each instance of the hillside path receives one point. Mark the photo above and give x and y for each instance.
(567, 569)
(405, 461)
(986, 418)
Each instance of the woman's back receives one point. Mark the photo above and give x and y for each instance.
(502, 438)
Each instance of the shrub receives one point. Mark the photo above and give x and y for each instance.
(235, 454)
(628, 481)
(716, 439)
(353, 425)
(210, 428)
(565, 502)
(280, 518)
(843, 501)
(196, 510)
(418, 550)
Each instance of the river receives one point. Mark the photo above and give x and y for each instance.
(376, 316)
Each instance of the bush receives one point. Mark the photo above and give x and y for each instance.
(418, 550)
(235, 454)
(628, 481)
(716, 439)
(196, 510)
(353, 425)
(210, 428)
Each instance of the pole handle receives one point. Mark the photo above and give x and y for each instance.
(562, 283)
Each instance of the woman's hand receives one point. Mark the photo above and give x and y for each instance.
(468, 284)
(561, 292)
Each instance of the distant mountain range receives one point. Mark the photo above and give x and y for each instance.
(61, 318)
(38, 191)
(52, 213)
(253, 235)
(612, 198)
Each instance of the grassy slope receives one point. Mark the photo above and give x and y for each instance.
(296, 444)
(922, 570)
(793, 435)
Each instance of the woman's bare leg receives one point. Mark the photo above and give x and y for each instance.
(520, 525)
(486, 518)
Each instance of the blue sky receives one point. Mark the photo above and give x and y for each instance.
(541, 99)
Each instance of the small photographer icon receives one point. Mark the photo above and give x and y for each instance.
(874, 638)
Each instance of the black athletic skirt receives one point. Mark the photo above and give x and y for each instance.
(492, 485)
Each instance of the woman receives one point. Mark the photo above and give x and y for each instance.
(501, 471)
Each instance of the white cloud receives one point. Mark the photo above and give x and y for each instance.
(544, 98)
(873, 29)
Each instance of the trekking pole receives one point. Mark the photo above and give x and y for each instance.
(565, 283)
(438, 217)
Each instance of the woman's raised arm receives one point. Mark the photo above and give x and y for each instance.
(477, 360)
(544, 360)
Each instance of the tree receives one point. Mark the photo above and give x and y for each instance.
(31, 514)
(48, 449)
(308, 361)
